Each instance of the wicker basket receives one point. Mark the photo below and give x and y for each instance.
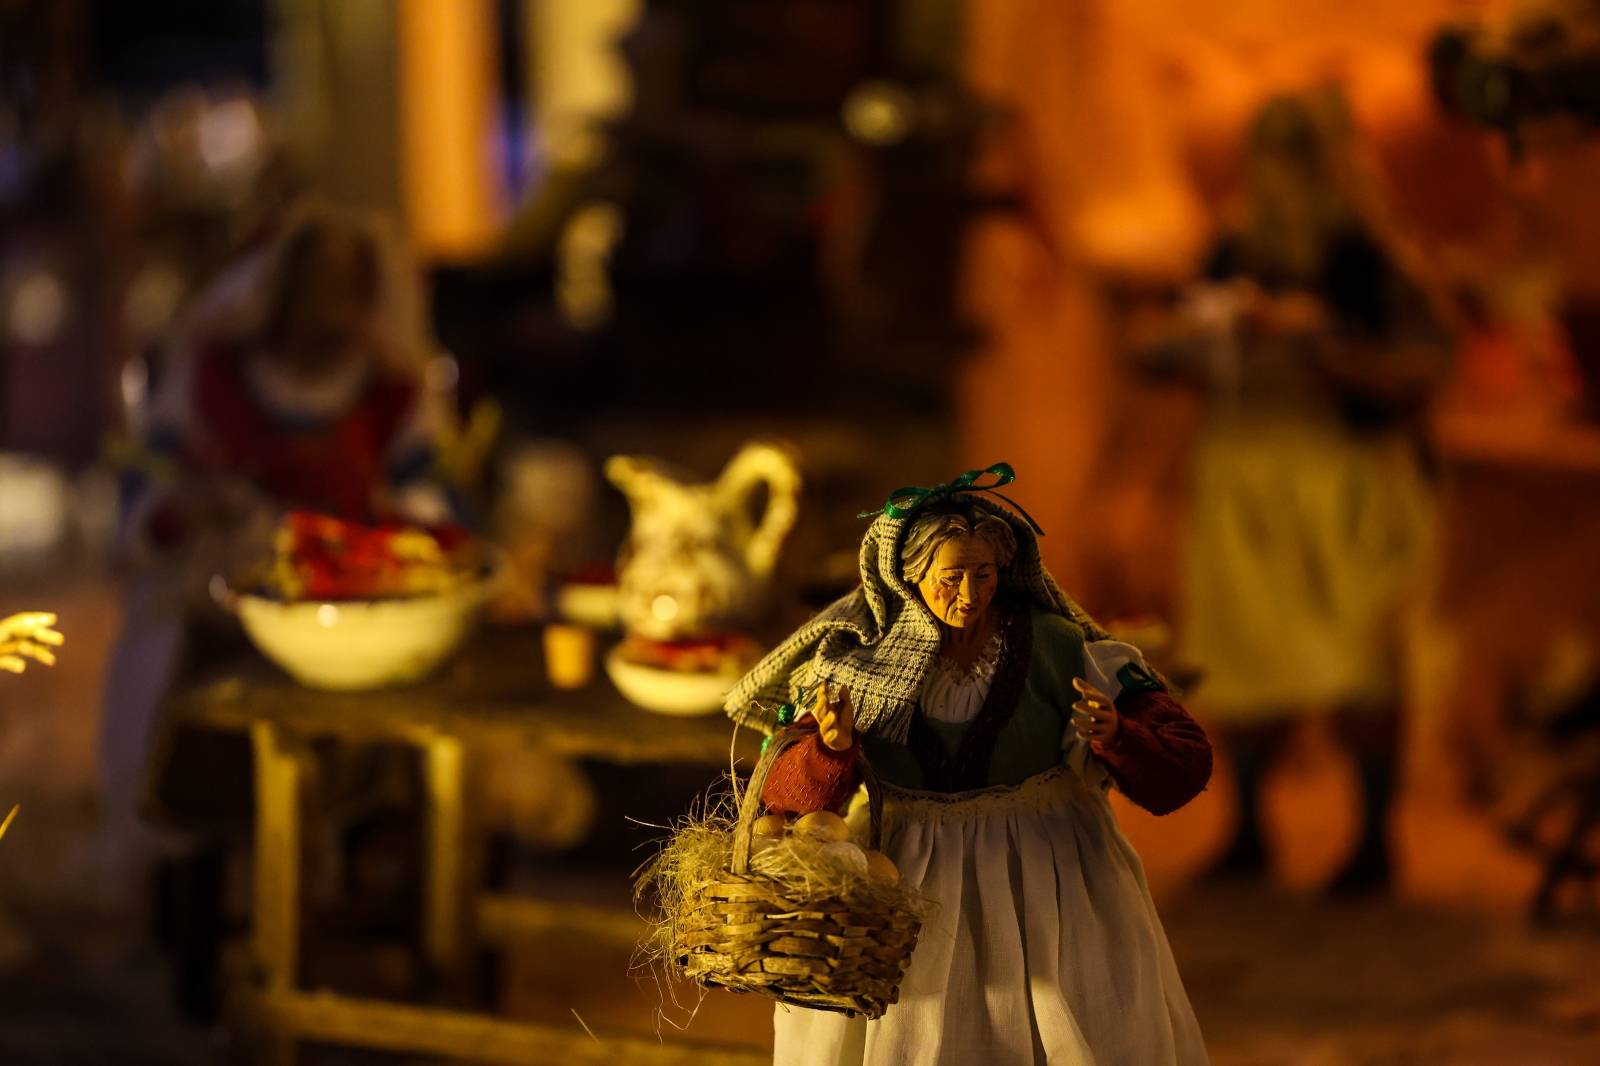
(742, 931)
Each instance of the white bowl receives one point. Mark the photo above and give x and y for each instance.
(595, 606)
(362, 644)
(675, 692)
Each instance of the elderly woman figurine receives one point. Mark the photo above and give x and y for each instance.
(997, 714)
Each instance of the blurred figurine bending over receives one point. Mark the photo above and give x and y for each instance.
(300, 392)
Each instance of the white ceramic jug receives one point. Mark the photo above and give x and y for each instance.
(697, 561)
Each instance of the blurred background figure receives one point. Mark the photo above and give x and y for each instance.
(1311, 498)
(295, 384)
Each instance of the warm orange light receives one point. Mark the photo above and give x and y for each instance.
(447, 63)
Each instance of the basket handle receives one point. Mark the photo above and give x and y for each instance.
(750, 803)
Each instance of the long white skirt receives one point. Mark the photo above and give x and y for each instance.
(1044, 946)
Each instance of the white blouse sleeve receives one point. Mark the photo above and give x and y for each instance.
(1104, 660)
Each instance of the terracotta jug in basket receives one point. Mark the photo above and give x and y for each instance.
(697, 561)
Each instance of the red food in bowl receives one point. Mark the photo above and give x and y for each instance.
(318, 557)
(709, 654)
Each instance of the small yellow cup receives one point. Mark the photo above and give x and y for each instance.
(569, 653)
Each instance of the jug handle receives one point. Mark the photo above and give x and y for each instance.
(759, 464)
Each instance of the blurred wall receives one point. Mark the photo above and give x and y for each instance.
(1102, 176)
(335, 75)
(449, 70)
(392, 104)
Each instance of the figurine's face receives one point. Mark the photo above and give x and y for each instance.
(960, 584)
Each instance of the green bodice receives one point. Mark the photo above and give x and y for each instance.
(1029, 741)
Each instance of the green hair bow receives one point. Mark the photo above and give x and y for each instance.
(902, 502)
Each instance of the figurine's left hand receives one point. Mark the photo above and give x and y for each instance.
(1094, 716)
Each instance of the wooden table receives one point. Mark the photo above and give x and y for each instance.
(494, 694)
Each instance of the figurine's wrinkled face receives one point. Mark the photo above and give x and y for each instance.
(960, 584)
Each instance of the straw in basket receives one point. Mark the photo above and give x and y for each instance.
(745, 931)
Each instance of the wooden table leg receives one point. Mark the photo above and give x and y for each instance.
(275, 918)
(446, 940)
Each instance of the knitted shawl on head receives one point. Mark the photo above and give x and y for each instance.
(881, 639)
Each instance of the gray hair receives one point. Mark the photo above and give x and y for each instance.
(928, 533)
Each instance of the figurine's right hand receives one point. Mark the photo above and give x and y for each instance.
(836, 717)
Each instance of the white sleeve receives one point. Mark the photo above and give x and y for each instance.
(1104, 659)
(162, 430)
(169, 413)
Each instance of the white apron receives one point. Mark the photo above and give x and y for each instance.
(1044, 948)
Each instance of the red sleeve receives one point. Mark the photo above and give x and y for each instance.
(1160, 757)
(810, 776)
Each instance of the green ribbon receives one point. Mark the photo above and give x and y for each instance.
(902, 502)
(786, 717)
